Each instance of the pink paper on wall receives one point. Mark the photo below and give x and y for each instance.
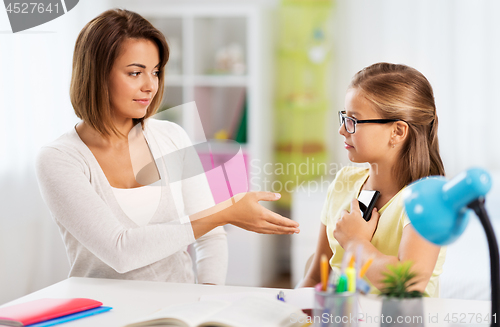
(229, 175)
(236, 171)
(218, 185)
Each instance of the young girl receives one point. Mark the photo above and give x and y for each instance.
(390, 122)
(114, 224)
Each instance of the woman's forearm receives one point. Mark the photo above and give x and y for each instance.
(208, 219)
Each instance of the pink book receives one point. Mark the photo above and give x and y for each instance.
(43, 309)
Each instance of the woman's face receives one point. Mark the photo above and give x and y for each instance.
(371, 142)
(133, 81)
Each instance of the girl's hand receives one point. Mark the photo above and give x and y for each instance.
(247, 213)
(351, 226)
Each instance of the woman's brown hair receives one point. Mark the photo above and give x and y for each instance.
(96, 49)
(402, 92)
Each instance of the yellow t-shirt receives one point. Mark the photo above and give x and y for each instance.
(393, 219)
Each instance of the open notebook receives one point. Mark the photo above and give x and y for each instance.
(244, 312)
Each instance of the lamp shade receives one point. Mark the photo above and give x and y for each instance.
(437, 208)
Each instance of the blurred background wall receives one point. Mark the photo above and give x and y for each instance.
(455, 44)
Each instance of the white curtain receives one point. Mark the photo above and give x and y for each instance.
(34, 109)
(454, 43)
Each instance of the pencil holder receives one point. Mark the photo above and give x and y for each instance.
(335, 309)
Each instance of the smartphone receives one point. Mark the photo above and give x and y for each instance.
(367, 200)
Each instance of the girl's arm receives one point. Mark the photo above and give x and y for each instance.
(421, 252)
(313, 274)
(353, 231)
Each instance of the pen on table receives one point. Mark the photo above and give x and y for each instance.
(333, 279)
(320, 299)
(342, 284)
(281, 296)
(324, 283)
(352, 259)
(361, 285)
(365, 267)
(350, 272)
(324, 272)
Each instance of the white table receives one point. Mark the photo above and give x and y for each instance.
(135, 299)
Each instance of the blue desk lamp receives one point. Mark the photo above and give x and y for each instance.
(439, 211)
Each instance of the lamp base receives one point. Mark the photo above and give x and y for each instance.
(480, 210)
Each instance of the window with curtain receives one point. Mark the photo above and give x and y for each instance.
(35, 109)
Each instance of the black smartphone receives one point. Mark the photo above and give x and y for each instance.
(367, 200)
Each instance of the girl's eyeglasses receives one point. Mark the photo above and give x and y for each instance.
(350, 123)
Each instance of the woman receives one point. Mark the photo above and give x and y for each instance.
(115, 225)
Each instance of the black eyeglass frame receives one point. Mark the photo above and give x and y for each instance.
(343, 117)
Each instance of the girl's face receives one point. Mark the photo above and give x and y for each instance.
(371, 142)
(133, 81)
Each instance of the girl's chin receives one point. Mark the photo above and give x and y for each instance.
(358, 160)
(355, 159)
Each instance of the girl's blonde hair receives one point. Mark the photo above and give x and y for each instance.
(96, 49)
(402, 92)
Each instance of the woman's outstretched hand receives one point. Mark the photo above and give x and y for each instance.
(243, 210)
(247, 213)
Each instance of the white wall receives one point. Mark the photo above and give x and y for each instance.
(454, 44)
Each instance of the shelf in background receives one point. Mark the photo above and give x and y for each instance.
(174, 80)
(224, 147)
(207, 80)
(220, 80)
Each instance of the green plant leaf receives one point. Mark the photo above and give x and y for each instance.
(398, 279)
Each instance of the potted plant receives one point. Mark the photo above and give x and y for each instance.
(401, 306)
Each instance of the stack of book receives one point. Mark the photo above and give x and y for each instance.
(49, 312)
